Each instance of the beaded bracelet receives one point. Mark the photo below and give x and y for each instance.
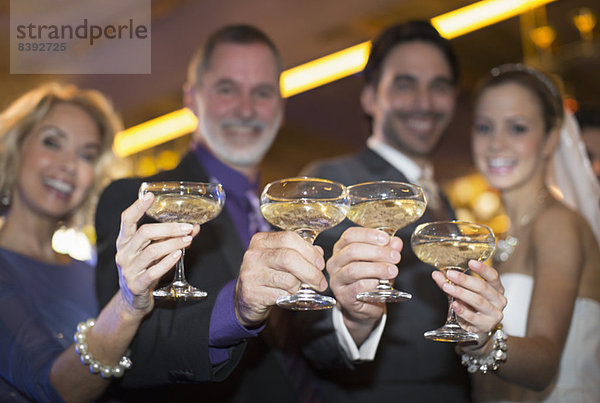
(87, 358)
(492, 361)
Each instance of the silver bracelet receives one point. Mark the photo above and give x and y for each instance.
(492, 361)
(87, 358)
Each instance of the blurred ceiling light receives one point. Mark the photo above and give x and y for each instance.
(154, 132)
(543, 36)
(571, 104)
(481, 14)
(585, 21)
(146, 166)
(324, 70)
(167, 159)
(72, 242)
(486, 205)
(464, 214)
(500, 224)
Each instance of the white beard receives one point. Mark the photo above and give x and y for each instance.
(239, 154)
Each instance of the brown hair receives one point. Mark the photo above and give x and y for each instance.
(395, 35)
(540, 84)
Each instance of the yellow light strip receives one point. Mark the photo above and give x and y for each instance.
(154, 132)
(324, 70)
(481, 14)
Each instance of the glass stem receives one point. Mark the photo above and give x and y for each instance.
(451, 318)
(309, 236)
(179, 280)
(305, 289)
(384, 285)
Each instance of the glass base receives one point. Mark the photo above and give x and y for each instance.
(183, 291)
(451, 333)
(390, 295)
(306, 302)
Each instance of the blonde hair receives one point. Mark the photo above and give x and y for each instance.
(17, 121)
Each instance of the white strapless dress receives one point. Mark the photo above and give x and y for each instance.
(578, 377)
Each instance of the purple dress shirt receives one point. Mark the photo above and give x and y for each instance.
(225, 330)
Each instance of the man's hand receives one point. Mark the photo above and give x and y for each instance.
(275, 265)
(361, 257)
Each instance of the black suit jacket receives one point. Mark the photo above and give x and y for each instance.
(170, 351)
(407, 367)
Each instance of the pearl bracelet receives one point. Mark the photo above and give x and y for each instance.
(87, 358)
(492, 361)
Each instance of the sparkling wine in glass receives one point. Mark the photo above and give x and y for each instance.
(184, 202)
(387, 206)
(307, 206)
(449, 245)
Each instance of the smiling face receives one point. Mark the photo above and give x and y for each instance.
(510, 143)
(238, 103)
(58, 157)
(414, 99)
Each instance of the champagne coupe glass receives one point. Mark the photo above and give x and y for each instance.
(307, 206)
(449, 245)
(388, 207)
(185, 202)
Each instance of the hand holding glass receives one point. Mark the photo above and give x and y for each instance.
(449, 245)
(185, 202)
(307, 206)
(388, 207)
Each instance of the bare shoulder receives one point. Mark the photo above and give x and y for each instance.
(565, 241)
(557, 223)
(556, 242)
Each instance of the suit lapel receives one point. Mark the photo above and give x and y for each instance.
(378, 168)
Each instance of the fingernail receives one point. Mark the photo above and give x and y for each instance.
(186, 227)
(320, 263)
(187, 239)
(395, 255)
(147, 196)
(393, 270)
(448, 287)
(383, 238)
(176, 254)
(323, 285)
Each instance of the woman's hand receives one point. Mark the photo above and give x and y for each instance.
(146, 253)
(478, 300)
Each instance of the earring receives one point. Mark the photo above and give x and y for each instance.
(5, 200)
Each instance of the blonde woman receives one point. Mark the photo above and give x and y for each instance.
(54, 142)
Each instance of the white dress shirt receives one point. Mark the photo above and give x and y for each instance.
(414, 173)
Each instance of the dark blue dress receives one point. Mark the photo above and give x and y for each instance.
(40, 306)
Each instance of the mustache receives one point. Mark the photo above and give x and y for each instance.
(252, 123)
(419, 115)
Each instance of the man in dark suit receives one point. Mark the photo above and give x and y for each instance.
(182, 347)
(409, 94)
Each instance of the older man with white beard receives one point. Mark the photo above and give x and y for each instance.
(233, 89)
